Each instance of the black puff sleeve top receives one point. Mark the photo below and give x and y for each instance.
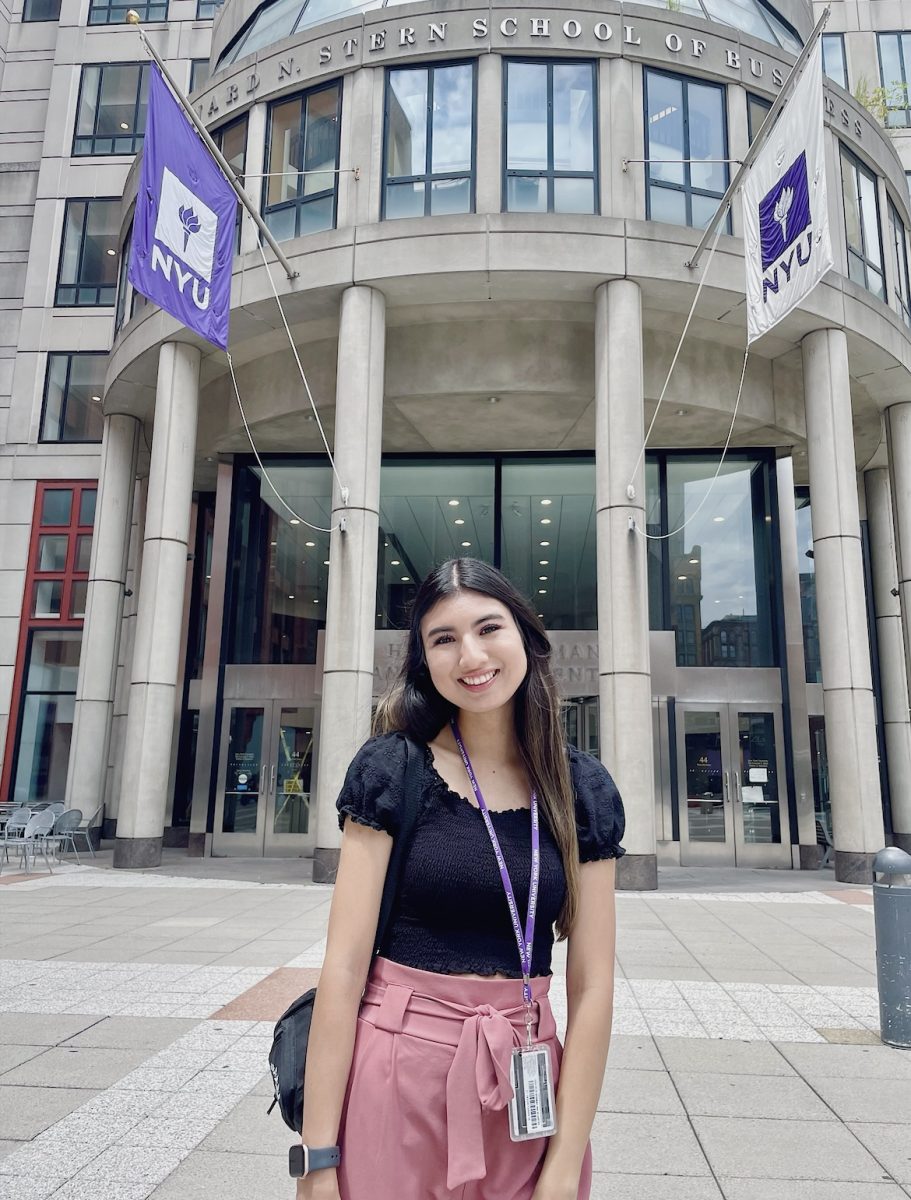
(451, 914)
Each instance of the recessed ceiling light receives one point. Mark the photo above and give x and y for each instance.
(406, 579)
(717, 601)
(493, 399)
(545, 520)
(316, 601)
(543, 562)
(452, 504)
(546, 502)
(542, 578)
(681, 577)
(325, 562)
(311, 544)
(395, 563)
(459, 521)
(273, 543)
(718, 520)
(542, 591)
(466, 543)
(111, 252)
(290, 597)
(543, 543)
(124, 125)
(740, 597)
(681, 412)
(694, 560)
(97, 399)
(294, 521)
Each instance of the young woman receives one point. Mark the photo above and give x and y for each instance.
(410, 1077)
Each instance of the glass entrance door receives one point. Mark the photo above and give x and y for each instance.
(733, 802)
(580, 723)
(263, 802)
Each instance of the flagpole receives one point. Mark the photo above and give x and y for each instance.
(760, 138)
(133, 19)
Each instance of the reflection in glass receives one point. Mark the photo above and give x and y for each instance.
(292, 778)
(72, 401)
(280, 569)
(429, 141)
(430, 510)
(87, 506)
(52, 552)
(83, 552)
(244, 770)
(43, 743)
(720, 563)
(561, 576)
(79, 590)
(834, 63)
(550, 137)
(56, 506)
(88, 255)
(758, 778)
(303, 141)
(113, 100)
(898, 245)
(656, 616)
(894, 63)
(806, 570)
(686, 144)
(704, 785)
(47, 598)
(862, 224)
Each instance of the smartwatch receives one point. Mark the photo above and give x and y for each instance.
(304, 1160)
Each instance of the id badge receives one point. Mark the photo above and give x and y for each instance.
(532, 1111)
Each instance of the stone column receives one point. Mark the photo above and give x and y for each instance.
(347, 686)
(103, 615)
(857, 818)
(156, 652)
(623, 647)
(889, 533)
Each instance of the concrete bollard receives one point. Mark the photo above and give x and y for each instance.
(892, 915)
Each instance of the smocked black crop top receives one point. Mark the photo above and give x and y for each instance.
(451, 914)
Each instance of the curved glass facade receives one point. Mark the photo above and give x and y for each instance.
(278, 19)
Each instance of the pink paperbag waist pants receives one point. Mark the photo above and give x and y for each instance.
(425, 1115)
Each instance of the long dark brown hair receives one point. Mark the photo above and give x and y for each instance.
(414, 706)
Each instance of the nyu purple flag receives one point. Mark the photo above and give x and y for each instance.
(183, 231)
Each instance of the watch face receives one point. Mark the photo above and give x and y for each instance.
(296, 1164)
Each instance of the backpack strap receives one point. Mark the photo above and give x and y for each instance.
(414, 781)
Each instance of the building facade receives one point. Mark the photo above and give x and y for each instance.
(490, 212)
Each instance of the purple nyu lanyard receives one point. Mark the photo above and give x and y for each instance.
(525, 943)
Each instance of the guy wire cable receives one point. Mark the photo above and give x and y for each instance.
(660, 537)
(708, 262)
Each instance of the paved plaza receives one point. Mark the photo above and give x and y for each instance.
(136, 1012)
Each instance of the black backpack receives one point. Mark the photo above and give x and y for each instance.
(288, 1056)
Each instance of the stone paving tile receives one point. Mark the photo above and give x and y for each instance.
(890, 1144)
(805, 1189)
(645, 1144)
(707, 1094)
(634, 1053)
(854, 1099)
(653, 1187)
(631, 1091)
(75, 1066)
(204, 1175)
(26, 1111)
(744, 1058)
(849, 1062)
(763, 1149)
(149, 1034)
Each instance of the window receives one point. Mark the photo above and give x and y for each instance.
(88, 254)
(111, 116)
(41, 10)
(898, 242)
(806, 573)
(757, 108)
(714, 578)
(894, 59)
(686, 123)
(302, 149)
(112, 12)
(430, 143)
(280, 571)
(206, 9)
(550, 147)
(531, 515)
(834, 63)
(862, 228)
(51, 634)
(199, 73)
(72, 398)
(231, 139)
(124, 287)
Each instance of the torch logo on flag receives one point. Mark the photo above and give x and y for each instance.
(183, 232)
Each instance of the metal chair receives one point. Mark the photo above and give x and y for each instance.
(14, 829)
(34, 838)
(85, 829)
(824, 837)
(66, 824)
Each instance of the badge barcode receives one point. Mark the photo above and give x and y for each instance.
(532, 1103)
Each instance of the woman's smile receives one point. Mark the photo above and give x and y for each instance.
(478, 683)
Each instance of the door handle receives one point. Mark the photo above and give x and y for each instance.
(727, 788)
(737, 786)
(272, 780)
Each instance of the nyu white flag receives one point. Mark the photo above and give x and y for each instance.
(785, 215)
